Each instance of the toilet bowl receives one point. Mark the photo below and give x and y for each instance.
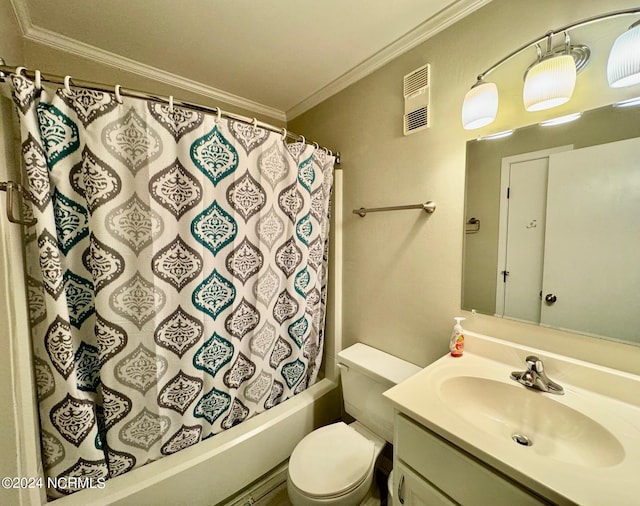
(335, 464)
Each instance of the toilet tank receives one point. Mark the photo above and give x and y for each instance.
(366, 373)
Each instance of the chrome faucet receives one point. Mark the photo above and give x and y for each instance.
(535, 377)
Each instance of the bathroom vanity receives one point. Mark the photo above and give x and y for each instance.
(466, 433)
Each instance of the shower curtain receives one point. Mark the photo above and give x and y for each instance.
(176, 275)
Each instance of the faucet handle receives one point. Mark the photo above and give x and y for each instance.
(534, 364)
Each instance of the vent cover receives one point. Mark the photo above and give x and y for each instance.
(416, 100)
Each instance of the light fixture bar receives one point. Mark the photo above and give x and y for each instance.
(587, 21)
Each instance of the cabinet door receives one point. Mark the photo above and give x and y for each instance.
(464, 479)
(412, 490)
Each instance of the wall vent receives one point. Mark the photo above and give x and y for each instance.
(416, 100)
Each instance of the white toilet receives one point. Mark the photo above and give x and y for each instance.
(335, 464)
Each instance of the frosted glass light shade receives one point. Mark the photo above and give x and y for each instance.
(623, 66)
(549, 83)
(480, 106)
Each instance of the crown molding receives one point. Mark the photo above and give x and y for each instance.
(429, 28)
(63, 43)
(22, 15)
(417, 36)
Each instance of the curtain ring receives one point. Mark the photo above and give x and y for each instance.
(38, 80)
(67, 85)
(284, 135)
(19, 71)
(255, 124)
(218, 115)
(304, 141)
(171, 104)
(117, 93)
(316, 145)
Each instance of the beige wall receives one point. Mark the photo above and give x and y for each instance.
(54, 61)
(11, 45)
(402, 270)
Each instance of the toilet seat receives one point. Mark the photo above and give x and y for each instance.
(331, 461)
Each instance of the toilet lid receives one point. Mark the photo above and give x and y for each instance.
(331, 460)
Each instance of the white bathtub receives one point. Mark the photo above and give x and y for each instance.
(213, 470)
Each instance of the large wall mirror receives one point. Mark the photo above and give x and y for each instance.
(552, 225)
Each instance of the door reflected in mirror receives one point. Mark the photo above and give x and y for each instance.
(560, 236)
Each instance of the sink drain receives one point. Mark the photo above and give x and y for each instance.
(521, 439)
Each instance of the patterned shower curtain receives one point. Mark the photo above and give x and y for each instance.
(176, 276)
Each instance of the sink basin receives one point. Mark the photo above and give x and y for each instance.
(532, 419)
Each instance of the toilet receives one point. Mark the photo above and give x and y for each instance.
(335, 464)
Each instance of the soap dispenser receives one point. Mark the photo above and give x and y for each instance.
(456, 344)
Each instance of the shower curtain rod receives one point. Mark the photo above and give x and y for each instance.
(118, 90)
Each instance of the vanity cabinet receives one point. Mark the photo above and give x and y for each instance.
(429, 470)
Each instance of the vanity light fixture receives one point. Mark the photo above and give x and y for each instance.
(480, 105)
(561, 119)
(550, 81)
(623, 66)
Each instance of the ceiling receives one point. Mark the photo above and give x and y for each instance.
(277, 57)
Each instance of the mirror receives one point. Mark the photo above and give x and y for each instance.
(552, 225)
